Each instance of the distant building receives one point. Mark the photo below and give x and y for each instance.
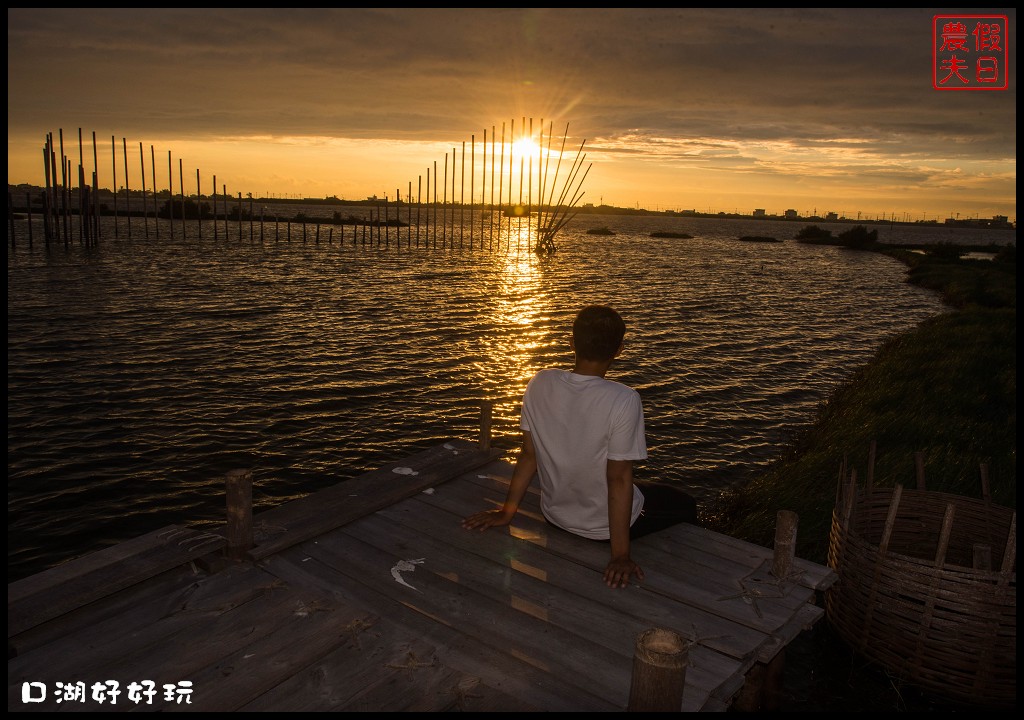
(790, 215)
(997, 221)
(832, 216)
(759, 213)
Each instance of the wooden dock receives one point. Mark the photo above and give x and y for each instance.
(370, 596)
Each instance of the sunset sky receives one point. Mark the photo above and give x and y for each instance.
(720, 110)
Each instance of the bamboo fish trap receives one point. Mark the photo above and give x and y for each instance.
(928, 588)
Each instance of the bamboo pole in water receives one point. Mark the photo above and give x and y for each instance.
(113, 187)
(54, 200)
(83, 226)
(501, 191)
(64, 191)
(181, 185)
(490, 217)
(145, 205)
(462, 197)
(444, 201)
(83, 220)
(96, 186)
(483, 187)
(451, 244)
(46, 191)
(127, 191)
(170, 194)
(419, 206)
(472, 170)
(67, 198)
(156, 213)
(199, 207)
(508, 234)
(214, 196)
(519, 221)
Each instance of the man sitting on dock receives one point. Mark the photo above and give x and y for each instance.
(581, 435)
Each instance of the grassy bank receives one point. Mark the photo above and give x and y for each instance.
(946, 389)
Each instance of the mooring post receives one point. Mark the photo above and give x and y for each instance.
(239, 525)
(785, 543)
(659, 672)
(486, 412)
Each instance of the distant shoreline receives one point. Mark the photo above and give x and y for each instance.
(106, 196)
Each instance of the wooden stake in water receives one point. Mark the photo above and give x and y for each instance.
(199, 207)
(170, 193)
(127, 192)
(113, 159)
(181, 184)
(152, 166)
(145, 206)
(96, 185)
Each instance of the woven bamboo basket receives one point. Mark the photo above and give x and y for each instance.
(928, 589)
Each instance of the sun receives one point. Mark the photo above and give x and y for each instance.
(526, 148)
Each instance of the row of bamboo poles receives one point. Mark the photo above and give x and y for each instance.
(525, 197)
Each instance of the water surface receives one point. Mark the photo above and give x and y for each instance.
(141, 370)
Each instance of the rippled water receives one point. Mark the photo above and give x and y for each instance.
(140, 371)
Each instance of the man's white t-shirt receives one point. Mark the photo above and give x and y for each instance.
(578, 423)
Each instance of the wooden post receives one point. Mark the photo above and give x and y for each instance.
(659, 672)
(749, 697)
(785, 543)
(486, 411)
(239, 525)
(762, 689)
(771, 696)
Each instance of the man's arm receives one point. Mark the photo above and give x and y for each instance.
(525, 469)
(620, 507)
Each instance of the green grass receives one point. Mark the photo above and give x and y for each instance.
(946, 389)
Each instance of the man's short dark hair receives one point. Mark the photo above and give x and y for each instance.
(597, 332)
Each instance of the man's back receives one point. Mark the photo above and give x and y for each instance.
(577, 423)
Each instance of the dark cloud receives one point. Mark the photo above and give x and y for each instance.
(676, 80)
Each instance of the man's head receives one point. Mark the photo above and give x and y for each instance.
(597, 333)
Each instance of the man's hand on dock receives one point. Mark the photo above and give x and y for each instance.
(487, 518)
(620, 570)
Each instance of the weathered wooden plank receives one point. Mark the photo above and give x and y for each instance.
(407, 691)
(498, 625)
(804, 619)
(696, 578)
(467, 653)
(588, 610)
(805, 572)
(38, 598)
(273, 660)
(719, 554)
(819, 577)
(515, 618)
(299, 520)
(709, 629)
(146, 639)
(126, 609)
